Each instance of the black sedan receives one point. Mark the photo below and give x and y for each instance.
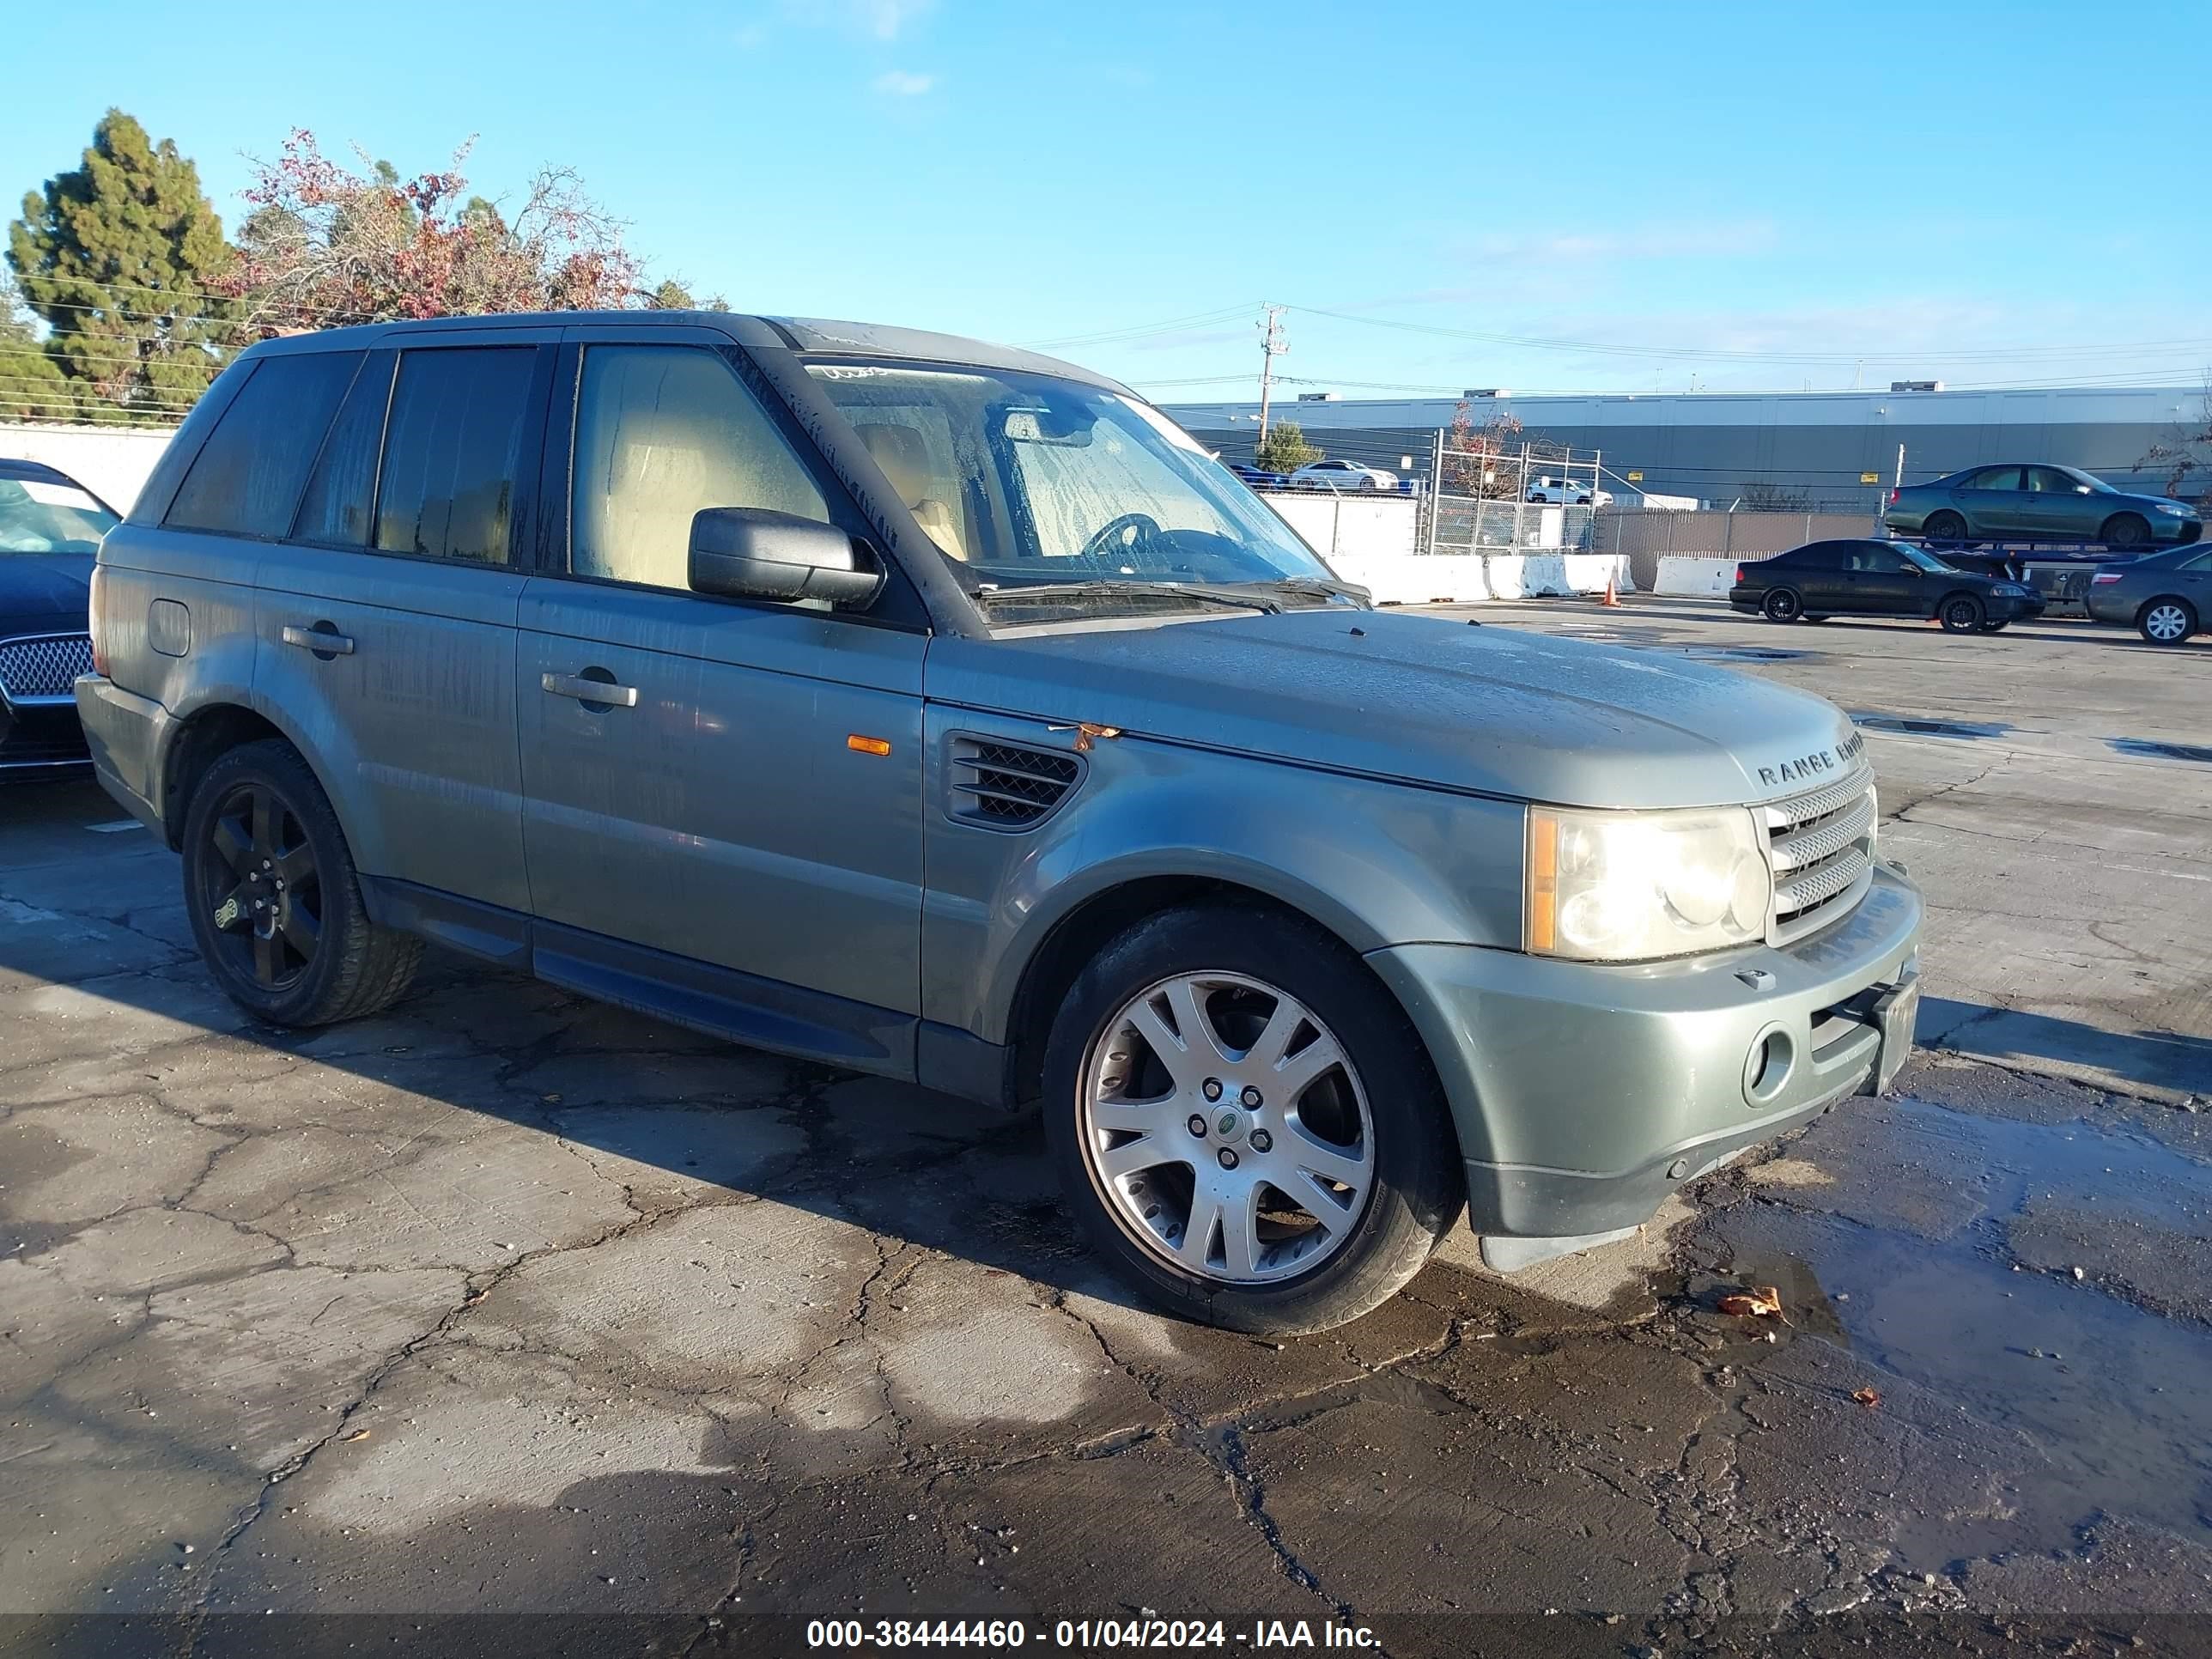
(1879, 578)
(50, 528)
(2165, 596)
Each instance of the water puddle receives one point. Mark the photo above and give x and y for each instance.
(2090, 1400)
(1926, 728)
(1740, 654)
(2180, 751)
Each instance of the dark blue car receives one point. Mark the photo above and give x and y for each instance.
(50, 529)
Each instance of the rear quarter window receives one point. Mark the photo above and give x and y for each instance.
(246, 478)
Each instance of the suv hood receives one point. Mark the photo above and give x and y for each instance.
(1424, 700)
(45, 592)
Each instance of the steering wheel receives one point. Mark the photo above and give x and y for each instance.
(1120, 536)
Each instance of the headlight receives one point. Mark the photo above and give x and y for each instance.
(2175, 509)
(1626, 886)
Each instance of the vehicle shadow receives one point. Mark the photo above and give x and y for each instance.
(2172, 1061)
(102, 993)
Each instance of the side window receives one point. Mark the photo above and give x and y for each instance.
(452, 452)
(1995, 478)
(246, 478)
(2050, 480)
(662, 432)
(2202, 562)
(342, 491)
(1814, 555)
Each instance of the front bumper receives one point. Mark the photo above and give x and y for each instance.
(1583, 1093)
(127, 735)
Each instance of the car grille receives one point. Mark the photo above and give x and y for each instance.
(1820, 847)
(44, 669)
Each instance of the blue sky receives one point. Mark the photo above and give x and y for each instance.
(1755, 195)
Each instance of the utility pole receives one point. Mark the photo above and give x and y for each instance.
(1271, 346)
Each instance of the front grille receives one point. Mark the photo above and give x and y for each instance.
(1000, 786)
(1820, 847)
(36, 669)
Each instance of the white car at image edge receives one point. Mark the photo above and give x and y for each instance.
(1565, 492)
(1342, 475)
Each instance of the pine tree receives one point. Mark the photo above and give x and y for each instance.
(119, 256)
(1284, 449)
(32, 387)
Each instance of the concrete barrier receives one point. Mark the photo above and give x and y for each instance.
(111, 461)
(1462, 578)
(1443, 578)
(1694, 578)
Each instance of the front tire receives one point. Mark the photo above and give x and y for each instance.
(2166, 622)
(273, 897)
(1962, 613)
(1782, 604)
(2125, 531)
(1247, 1123)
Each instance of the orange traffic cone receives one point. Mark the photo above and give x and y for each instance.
(1609, 599)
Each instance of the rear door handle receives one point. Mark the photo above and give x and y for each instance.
(584, 689)
(323, 639)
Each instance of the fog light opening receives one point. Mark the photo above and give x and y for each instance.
(1766, 1068)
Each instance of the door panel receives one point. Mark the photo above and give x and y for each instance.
(413, 727)
(1991, 511)
(722, 816)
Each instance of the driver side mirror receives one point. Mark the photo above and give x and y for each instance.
(752, 553)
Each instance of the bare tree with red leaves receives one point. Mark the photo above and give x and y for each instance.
(326, 246)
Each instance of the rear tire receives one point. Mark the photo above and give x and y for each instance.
(2166, 621)
(1961, 613)
(1258, 980)
(2125, 530)
(1782, 604)
(273, 897)
(1945, 527)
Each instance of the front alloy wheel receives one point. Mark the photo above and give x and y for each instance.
(1225, 1129)
(1246, 1124)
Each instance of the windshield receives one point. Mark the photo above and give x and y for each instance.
(1920, 556)
(1025, 479)
(39, 517)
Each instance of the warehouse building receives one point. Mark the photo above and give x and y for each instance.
(1813, 447)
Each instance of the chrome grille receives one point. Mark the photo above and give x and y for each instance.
(1820, 847)
(44, 669)
(1001, 786)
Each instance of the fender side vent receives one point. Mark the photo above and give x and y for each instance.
(1002, 786)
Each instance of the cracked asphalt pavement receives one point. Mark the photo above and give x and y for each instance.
(505, 1302)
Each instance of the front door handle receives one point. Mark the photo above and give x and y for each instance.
(323, 639)
(585, 688)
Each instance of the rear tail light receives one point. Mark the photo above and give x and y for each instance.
(2103, 576)
(1739, 575)
(1893, 498)
(98, 619)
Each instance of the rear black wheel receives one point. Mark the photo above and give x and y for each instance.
(1962, 613)
(1945, 527)
(273, 898)
(2166, 622)
(1782, 604)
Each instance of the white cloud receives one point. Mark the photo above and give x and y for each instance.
(875, 19)
(903, 84)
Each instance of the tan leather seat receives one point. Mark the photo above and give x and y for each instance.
(904, 459)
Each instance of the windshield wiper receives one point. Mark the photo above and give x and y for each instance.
(1322, 585)
(991, 595)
